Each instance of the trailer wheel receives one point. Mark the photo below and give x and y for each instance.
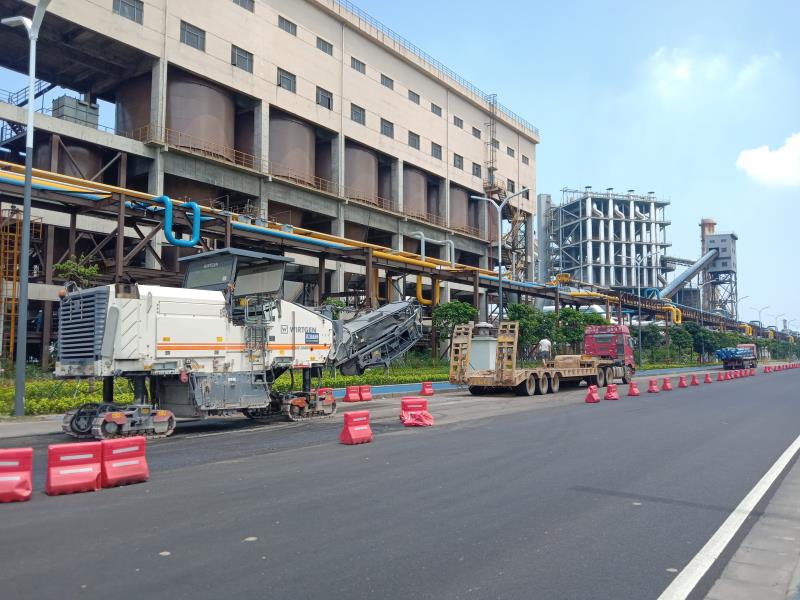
(627, 375)
(526, 388)
(477, 390)
(555, 383)
(600, 379)
(609, 375)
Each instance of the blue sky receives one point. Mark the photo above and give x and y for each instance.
(649, 96)
(697, 101)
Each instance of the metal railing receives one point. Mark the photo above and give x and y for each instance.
(395, 39)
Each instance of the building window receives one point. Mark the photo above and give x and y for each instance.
(242, 59)
(413, 96)
(387, 81)
(326, 47)
(387, 128)
(192, 36)
(436, 150)
(436, 109)
(413, 140)
(324, 98)
(287, 25)
(458, 122)
(495, 144)
(248, 4)
(724, 263)
(525, 160)
(511, 187)
(358, 114)
(476, 170)
(130, 9)
(287, 81)
(358, 65)
(458, 161)
(476, 132)
(510, 151)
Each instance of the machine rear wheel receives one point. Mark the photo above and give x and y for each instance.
(477, 390)
(555, 383)
(526, 388)
(609, 375)
(627, 376)
(600, 379)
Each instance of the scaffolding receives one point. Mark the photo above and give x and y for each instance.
(10, 248)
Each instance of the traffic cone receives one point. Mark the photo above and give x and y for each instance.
(708, 378)
(682, 382)
(653, 387)
(720, 376)
(667, 385)
(592, 396)
(611, 392)
(728, 376)
(694, 380)
(752, 371)
(633, 389)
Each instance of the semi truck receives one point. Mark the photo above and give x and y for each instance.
(215, 346)
(608, 356)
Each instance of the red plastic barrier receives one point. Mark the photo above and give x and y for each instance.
(16, 466)
(352, 393)
(767, 369)
(682, 382)
(427, 389)
(694, 380)
(708, 378)
(365, 392)
(325, 395)
(728, 375)
(611, 392)
(633, 389)
(124, 461)
(667, 385)
(592, 397)
(73, 468)
(653, 387)
(414, 412)
(721, 376)
(356, 428)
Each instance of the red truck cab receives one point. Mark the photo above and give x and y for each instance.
(611, 342)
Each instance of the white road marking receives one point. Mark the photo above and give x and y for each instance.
(164, 553)
(684, 583)
(251, 538)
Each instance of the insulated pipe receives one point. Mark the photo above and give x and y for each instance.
(436, 292)
(169, 233)
(421, 237)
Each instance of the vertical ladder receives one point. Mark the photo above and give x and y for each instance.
(506, 361)
(10, 220)
(460, 349)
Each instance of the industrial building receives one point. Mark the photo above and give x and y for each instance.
(308, 113)
(603, 238)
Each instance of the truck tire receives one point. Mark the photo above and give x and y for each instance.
(600, 378)
(627, 374)
(609, 375)
(477, 390)
(526, 388)
(555, 383)
(545, 384)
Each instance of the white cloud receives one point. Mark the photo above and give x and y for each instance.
(775, 167)
(754, 67)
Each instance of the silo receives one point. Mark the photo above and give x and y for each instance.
(385, 182)
(361, 171)
(459, 207)
(415, 191)
(245, 133)
(88, 159)
(433, 199)
(187, 189)
(355, 231)
(200, 115)
(133, 104)
(323, 160)
(475, 207)
(292, 146)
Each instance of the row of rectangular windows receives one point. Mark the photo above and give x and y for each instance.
(196, 38)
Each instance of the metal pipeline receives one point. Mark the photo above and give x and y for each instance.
(435, 293)
(169, 233)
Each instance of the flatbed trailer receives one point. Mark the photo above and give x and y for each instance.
(525, 381)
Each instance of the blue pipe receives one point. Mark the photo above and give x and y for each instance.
(170, 235)
(290, 236)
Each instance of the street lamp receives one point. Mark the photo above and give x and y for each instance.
(737, 306)
(499, 208)
(759, 311)
(776, 319)
(639, 260)
(32, 28)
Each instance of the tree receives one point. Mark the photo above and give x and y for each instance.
(77, 271)
(336, 305)
(446, 316)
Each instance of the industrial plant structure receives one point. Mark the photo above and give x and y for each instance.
(308, 113)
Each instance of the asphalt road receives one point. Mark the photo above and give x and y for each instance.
(507, 497)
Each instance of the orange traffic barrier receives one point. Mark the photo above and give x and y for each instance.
(16, 470)
(653, 387)
(365, 392)
(721, 376)
(611, 392)
(352, 393)
(356, 429)
(427, 389)
(73, 468)
(414, 412)
(667, 385)
(633, 389)
(694, 380)
(682, 382)
(124, 461)
(708, 378)
(592, 397)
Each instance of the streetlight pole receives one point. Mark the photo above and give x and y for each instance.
(499, 208)
(776, 319)
(759, 311)
(32, 28)
(737, 306)
(639, 262)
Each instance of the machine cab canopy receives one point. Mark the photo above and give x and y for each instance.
(252, 273)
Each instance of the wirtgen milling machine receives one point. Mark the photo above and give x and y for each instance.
(214, 346)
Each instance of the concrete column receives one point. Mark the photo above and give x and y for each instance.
(337, 160)
(601, 228)
(155, 186)
(530, 248)
(397, 184)
(261, 135)
(445, 200)
(158, 96)
(337, 228)
(263, 199)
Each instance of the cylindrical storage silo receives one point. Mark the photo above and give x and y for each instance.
(133, 106)
(200, 115)
(459, 207)
(88, 160)
(324, 161)
(385, 182)
(244, 136)
(292, 147)
(355, 231)
(361, 172)
(415, 191)
(433, 199)
(475, 207)
(186, 189)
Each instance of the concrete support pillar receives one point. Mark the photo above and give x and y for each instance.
(261, 136)
(444, 200)
(530, 248)
(47, 306)
(155, 186)
(337, 160)
(337, 228)
(158, 97)
(397, 184)
(263, 198)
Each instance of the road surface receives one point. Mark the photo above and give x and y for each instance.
(508, 497)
